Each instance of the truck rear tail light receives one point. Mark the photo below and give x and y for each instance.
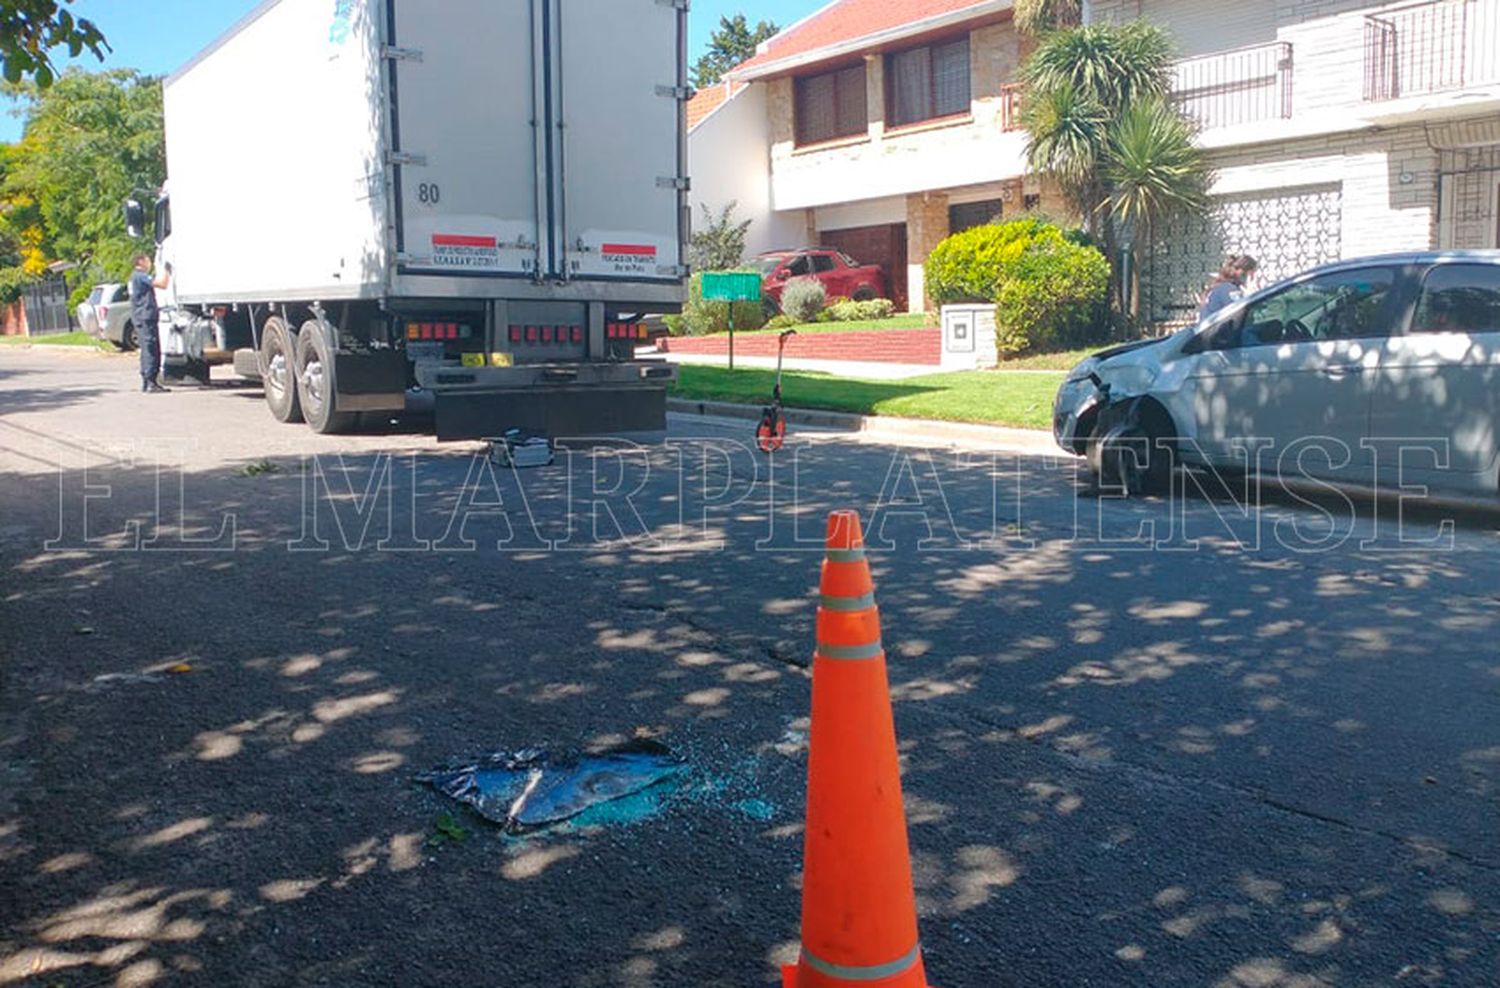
(577, 334)
(546, 334)
(515, 334)
(640, 331)
(530, 334)
(614, 330)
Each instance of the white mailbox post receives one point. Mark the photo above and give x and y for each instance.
(968, 337)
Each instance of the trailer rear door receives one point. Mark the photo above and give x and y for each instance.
(621, 186)
(466, 91)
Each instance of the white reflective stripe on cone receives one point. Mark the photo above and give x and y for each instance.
(875, 973)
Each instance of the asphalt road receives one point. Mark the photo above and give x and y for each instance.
(1143, 744)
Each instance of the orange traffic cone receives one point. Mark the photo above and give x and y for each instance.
(859, 915)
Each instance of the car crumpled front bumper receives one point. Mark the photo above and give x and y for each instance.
(1074, 411)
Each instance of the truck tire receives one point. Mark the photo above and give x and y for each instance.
(315, 383)
(864, 293)
(278, 361)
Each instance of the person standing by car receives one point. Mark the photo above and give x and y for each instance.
(1229, 286)
(147, 317)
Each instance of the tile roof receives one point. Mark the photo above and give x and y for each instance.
(706, 101)
(845, 21)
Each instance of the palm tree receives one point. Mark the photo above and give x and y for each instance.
(1152, 169)
(1038, 17)
(1068, 136)
(1100, 123)
(1114, 66)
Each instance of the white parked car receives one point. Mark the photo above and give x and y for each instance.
(105, 314)
(1350, 373)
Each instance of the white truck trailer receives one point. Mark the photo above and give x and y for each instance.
(467, 200)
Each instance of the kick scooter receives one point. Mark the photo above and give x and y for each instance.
(770, 434)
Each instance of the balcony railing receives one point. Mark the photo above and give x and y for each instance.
(1246, 85)
(1225, 88)
(1431, 47)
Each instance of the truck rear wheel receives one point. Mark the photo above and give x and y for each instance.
(278, 363)
(315, 384)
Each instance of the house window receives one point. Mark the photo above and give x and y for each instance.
(966, 216)
(930, 82)
(832, 105)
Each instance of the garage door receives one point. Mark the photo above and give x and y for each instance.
(884, 245)
(1287, 231)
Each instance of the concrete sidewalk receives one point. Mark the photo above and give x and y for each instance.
(867, 369)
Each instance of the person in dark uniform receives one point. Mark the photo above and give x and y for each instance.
(146, 317)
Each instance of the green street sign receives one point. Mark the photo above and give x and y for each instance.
(731, 286)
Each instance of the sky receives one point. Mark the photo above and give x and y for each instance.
(159, 36)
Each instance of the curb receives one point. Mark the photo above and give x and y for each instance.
(1032, 441)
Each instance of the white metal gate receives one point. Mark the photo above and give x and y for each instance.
(1286, 230)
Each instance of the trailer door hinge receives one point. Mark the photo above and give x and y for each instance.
(674, 182)
(406, 158)
(400, 54)
(674, 92)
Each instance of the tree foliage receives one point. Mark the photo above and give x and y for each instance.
(1038, 17)
(30, 29)
(732, 43)
(720, 244)
(91, 140)
(1101, 124)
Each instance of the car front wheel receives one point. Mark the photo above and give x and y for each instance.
(1132, 451)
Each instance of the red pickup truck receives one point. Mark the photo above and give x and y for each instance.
(841, 275)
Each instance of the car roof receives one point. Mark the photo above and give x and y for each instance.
(1409, 258)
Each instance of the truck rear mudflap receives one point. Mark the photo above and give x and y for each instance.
(559, 401)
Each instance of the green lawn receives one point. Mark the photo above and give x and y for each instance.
(59, 339)
(906, 321)
(990, 397)
(1062, 360)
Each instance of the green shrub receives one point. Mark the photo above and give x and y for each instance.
(875, 308)
(782, 321)
(701, 318)
(803, 299)
(79, 295)
(968, 266)
(13, 281)
(1052, 297)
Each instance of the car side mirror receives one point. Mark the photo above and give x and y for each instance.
(135, 218)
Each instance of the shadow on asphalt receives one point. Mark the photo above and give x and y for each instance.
(1124, 765)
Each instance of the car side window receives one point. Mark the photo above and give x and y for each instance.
(1224, 336)
(1345, 305)
(849, 262)
(118, 293)
(822, 263)
(1459, 298)
(799, 266)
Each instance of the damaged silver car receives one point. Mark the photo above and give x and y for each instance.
(1368, 372)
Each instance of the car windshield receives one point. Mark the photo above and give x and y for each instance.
(768, 263)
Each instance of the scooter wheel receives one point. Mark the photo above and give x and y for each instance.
(770, 434)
